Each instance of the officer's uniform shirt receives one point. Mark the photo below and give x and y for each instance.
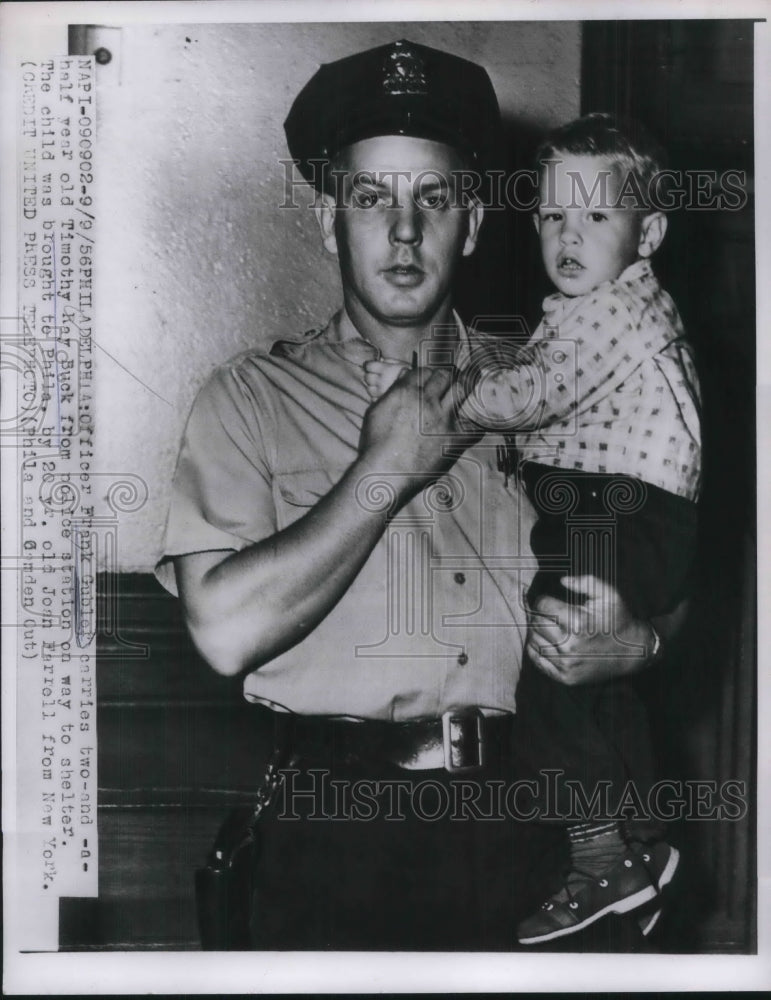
(435, 618)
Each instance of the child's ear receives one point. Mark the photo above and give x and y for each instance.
(537, 222)
(652, 233)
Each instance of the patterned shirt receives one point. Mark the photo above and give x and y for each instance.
(607, 384)
(434, 620)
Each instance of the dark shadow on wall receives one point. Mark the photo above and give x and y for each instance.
(504, 278)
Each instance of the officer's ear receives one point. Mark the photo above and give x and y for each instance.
(325, 216)
(476, 214)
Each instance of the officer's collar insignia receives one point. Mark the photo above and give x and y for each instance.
(404, 72)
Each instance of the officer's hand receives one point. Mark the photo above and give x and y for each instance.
(596, 641)
(407, 431)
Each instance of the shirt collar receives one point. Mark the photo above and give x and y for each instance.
(342, 337)
(346, 339)
(640, 269)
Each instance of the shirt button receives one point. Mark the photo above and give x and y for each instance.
(460, 578)
(463, 659)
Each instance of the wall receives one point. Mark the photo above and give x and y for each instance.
(195, 262)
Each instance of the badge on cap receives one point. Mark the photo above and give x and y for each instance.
(404, 72)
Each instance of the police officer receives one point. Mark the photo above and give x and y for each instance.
(364, 565)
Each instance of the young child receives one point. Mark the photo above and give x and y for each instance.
(609, 454)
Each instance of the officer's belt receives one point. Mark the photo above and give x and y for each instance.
(460, 741)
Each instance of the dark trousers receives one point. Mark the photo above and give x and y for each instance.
(409, 864)
(642, 540)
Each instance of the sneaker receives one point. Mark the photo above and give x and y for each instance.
(626, 885)
(661, 860)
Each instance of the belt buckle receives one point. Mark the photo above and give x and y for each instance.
(462, 740)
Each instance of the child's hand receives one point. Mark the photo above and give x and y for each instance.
(379, 376)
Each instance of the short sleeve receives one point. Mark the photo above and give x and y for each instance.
(222, 496)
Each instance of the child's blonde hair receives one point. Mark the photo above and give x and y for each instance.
(622, 141)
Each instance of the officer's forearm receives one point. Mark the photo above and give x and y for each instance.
(244, 608)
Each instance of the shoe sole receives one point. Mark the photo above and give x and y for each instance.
(648, 922)
(620, 906)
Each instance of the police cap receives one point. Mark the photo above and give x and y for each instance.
(397, 89)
